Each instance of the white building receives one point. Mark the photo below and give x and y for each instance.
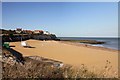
(46, 32)
(18, 30)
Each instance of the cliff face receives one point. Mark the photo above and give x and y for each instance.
(19, 37)
(44, 37)
(11, 35)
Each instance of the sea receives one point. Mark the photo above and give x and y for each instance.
(112, 43)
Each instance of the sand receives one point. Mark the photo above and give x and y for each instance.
(69, 54)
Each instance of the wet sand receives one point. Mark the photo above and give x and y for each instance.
(69, 54)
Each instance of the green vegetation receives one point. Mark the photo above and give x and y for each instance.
(35, 69)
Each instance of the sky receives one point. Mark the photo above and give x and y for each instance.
(65, 19)
(60, 0)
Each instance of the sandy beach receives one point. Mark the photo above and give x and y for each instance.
(69, 54)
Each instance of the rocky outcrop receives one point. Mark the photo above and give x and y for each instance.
(19, 37)
(44, 37)
(86, 41)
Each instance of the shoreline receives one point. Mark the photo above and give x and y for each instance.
(88, 46)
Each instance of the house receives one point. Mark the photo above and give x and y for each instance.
(18, 30)
(46, 32)
(27, 32)
(38, 32)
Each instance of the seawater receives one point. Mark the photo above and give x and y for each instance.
(112, 43)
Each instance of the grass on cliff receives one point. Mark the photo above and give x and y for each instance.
(37, 69)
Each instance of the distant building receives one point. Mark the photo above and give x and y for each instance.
(46, 32)
(38, 32)
(27, 32)
(18, 30)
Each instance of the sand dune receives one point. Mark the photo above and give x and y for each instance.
(69, 54)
